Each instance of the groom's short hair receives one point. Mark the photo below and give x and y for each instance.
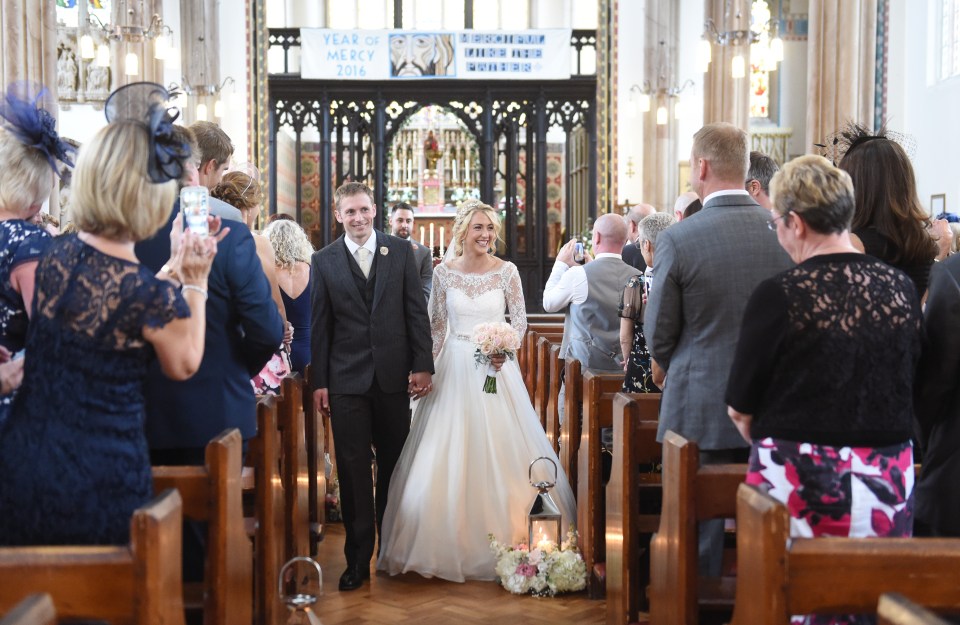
(349, 189)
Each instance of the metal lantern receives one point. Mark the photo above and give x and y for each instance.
(544, 518)
(301, 600)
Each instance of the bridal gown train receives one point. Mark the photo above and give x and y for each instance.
(463, 471)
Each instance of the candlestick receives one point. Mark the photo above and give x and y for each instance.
(442, 240)
(456, 172)
(421, 236)
(431, 237)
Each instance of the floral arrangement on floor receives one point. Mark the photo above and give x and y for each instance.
(493, 339)
(543, 571)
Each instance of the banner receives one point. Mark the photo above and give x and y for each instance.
(458, 54)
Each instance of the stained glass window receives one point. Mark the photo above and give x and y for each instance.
(765, 53)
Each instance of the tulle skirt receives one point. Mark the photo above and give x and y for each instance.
(462, 474)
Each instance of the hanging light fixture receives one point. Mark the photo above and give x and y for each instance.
(766, 46)
(642, 96)
(155, 31)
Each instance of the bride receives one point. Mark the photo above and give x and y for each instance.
(463, 471)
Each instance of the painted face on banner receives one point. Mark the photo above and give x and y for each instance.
(413, 55)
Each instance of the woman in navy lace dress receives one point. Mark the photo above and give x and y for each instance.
(29, 148)
(73, 456)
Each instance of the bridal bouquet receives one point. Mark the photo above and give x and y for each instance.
(494, 339)
(544, 570)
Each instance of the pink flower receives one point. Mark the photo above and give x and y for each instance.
(526, 570)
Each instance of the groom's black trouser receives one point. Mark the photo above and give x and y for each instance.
(359, 421)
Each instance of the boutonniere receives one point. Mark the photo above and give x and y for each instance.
(384, 251)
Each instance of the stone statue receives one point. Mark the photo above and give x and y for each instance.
(67, 72)
(98, 79)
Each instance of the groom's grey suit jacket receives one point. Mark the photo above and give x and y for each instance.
(705, 269)
(357, 335)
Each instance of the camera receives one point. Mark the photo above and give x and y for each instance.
(193, 205)
(578, 253)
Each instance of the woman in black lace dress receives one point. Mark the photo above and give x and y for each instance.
(73, 455)
(822, 379)
(638, 366)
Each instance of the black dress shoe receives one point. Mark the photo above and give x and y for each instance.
(353, 577)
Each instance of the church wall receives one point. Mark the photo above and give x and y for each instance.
(930, 109)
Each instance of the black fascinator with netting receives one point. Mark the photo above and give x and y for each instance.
(25, 112)
(852, 135)
(147, 102)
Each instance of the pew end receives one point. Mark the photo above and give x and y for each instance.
(895, 609)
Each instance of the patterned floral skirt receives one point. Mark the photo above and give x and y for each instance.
(837, 491)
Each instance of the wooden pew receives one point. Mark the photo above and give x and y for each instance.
(552, 425)
(293, 468)
(599, 389)
(528, 360)
(778, 575)
(214, 494)
(545, 318)
(264, 457)
(633, 502)
(691, 493)
(315, 432)
(34, 610)
(895, 609)
(570, 428)
(135, 584)
(541, 386)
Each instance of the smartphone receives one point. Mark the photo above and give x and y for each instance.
(193, 205)
(578, 253)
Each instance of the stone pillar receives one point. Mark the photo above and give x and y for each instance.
(841, 66)
(662, 32)
(199, 56)
(727, 99)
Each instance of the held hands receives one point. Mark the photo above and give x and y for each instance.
(497, 360)
(419, 385)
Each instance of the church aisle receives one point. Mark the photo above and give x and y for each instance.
(411, 599)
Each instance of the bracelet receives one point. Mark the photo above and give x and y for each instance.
(194, 287)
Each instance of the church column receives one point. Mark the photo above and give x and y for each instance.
(199, 58)
(725, 98)
(660, 71)
(841, 61)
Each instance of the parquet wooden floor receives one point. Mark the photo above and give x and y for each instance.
(413, 600)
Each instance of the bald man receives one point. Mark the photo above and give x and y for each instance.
(631, 253)
(589, 296)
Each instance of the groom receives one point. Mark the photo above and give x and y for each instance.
(371, 353)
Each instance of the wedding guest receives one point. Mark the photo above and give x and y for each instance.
(889, 222)
(822, 380)
(638, 367)
(292, 250)
(401, 225)
(242, 191)
(762, 168)
(215, 152)
(687, 204)
(631, 252)
(29, 151)
(73, 457)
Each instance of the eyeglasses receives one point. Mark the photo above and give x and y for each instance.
(772, 223)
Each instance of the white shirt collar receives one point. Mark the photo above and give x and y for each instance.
(370, 244)
(724, 192)
(608, 255)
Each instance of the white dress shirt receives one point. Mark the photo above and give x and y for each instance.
(370, 244)
(567, 285)
(724, 192)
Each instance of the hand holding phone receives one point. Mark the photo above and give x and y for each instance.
(578, 253)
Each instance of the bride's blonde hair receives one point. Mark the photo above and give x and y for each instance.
(462, 221)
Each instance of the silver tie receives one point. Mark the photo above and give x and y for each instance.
(363, 258)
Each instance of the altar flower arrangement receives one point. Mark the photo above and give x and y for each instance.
(543, 571)
(494, 339)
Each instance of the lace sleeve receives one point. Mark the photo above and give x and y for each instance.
(438, 308)
(513, 291)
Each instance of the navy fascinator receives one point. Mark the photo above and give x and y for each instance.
(146, 102)
(25, 116)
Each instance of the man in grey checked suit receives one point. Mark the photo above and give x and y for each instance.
(707, 267)
(401, 225)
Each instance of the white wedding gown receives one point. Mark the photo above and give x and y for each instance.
(463, 471)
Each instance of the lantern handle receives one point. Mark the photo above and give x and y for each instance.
(293, 561)
(542, 484)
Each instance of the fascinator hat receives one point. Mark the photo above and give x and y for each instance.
(854, 135)
(146, 102)
(25, 113)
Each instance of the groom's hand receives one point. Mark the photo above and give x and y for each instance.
(321, 401)
(419, 384)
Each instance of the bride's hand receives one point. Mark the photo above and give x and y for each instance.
(497, 361)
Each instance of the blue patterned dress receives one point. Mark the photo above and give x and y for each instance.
(73, 455)
(20, 242)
